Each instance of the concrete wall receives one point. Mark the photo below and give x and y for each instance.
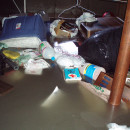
(54, 7)
(101, 6)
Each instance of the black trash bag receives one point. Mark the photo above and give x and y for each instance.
(102, 48)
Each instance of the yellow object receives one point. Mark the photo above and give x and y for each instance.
(11, 54)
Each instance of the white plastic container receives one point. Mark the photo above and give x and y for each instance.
(91, 72)
(47, 50)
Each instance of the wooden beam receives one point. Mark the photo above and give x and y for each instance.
(123, 62)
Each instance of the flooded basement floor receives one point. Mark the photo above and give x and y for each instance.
(47, 102)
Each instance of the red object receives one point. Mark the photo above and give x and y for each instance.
(108, 14)
(72, 75)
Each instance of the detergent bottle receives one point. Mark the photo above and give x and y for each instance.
(90, 72)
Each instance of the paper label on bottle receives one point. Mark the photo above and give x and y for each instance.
(88, 72)
(42, 47)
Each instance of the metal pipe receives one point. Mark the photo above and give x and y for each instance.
(25, 6)
(123, 62)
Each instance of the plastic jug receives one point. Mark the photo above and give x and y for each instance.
(47, 51)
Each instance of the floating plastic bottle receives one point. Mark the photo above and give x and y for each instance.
(47, 51)
(90, 72)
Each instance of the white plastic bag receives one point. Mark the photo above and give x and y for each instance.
(54, 24)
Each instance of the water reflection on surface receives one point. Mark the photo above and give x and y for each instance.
(52, 98)
(48, 102)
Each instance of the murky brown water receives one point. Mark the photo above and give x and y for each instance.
(47, 102)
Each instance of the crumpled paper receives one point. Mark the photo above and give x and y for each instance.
(35, 66)
(68, 48)
(27, 54)
(114, 126)
(70, 61)
(85, 17)
(31, 52)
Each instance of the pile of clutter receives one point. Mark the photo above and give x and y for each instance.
(22, 35)
(33, 50)
(34, 61)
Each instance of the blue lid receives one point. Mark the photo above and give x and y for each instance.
(52, 58)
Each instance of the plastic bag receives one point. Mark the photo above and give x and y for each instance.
(56, 31)
(85, 17)
(102, 48)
